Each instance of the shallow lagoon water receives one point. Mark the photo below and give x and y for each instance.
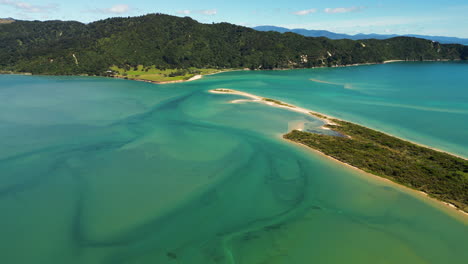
(98, 170)
(425, 102)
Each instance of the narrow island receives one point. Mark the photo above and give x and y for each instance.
(436, 173)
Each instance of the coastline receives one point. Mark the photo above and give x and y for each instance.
(196, 77)
(200, 76)
(376, 63)
(193, 78)
(326, 120)
(448, 207)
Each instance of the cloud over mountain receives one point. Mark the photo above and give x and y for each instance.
(27, 7)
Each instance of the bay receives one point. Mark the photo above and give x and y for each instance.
(97, 170)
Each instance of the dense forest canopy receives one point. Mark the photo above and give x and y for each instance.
(67, 47)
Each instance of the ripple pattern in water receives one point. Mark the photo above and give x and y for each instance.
(110, 171)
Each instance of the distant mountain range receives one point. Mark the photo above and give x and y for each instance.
(332, 35)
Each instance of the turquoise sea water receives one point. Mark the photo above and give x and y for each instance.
(425, 102)
(98, 170)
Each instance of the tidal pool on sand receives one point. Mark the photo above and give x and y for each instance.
(98, 170)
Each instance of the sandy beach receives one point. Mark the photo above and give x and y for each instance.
(390, 61)
(278, 104)
(194, 78)
(259, 99)
(326, 120)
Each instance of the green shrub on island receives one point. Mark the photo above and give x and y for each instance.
(277, 102)
(439, 174)
(223, 90)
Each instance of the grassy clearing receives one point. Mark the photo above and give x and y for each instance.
(154, 74)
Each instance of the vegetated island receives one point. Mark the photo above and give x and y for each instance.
(436, 173)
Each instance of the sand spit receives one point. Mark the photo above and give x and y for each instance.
(274, 103)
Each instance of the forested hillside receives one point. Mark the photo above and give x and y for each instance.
(168, 42)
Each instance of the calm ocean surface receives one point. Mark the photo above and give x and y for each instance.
(96, 170)
(425, 102)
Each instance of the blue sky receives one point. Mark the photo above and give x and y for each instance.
(430, 17)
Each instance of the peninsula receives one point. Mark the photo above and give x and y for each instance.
(439, 174)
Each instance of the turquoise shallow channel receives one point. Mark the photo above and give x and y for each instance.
(104, 171)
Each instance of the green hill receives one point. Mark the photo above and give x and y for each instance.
(168, 42)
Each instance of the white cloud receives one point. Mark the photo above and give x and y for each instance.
(184, 12)
(343, 9)
(209, 12)
(117, 9)
(27, 7)
(305, 12)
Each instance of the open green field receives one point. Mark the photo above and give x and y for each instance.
(439, 174)
(154, 74)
